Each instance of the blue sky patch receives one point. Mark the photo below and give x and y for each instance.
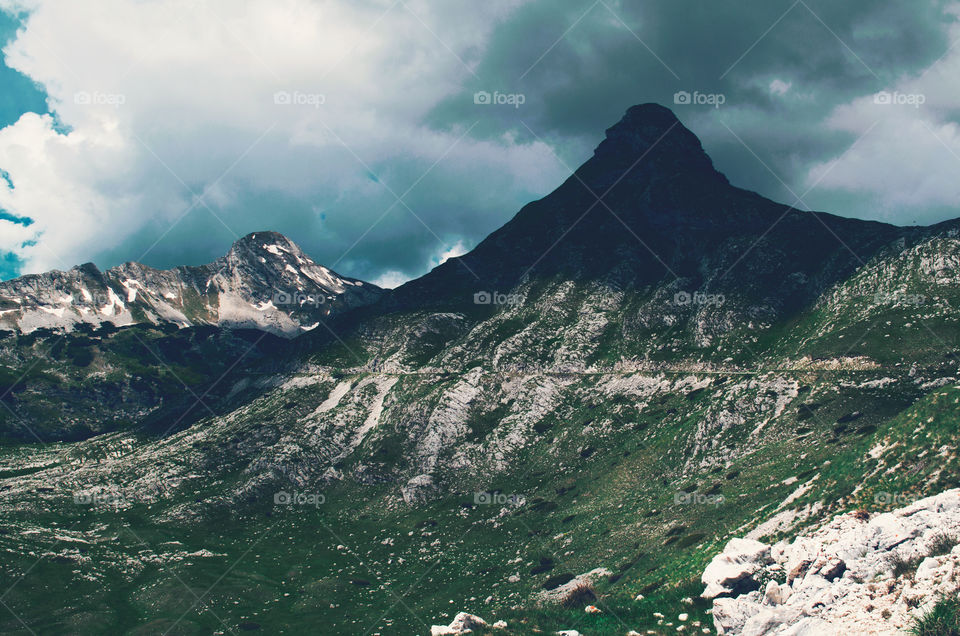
(20, 95)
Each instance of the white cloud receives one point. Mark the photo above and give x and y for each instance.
(779, 87)
(167, 99)
(907, 153)
(391, 279)
(459, 249)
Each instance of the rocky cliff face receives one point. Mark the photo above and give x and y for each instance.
(265, 282)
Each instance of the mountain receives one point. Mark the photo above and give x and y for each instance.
(264, 282)
(596, 395)
(645, 253)
(649, 208)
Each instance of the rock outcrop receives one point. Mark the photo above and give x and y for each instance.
(419, 489)
(558, 593)
(855, 574)
(735, 567)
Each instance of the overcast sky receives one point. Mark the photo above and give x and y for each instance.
(161, 130)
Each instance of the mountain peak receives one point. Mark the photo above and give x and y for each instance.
(265, 237)
(653, 132)
(266, 244)
(649, 114)
(90, 269)
(264, 282)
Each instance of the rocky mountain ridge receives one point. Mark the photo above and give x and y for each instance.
(264, 282)
(649, 208)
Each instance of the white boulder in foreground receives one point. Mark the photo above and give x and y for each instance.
(463, 623)
(735, 566)
(840, 578)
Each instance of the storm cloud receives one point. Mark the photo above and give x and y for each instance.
(386, 135)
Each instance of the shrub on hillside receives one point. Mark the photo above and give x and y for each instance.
(942, 620)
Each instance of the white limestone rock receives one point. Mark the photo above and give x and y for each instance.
(734, 566)
(839, 578)
(463, 623)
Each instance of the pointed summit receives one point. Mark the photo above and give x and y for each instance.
(261, 240)
(652, 134)
(263, 236)
(652, 120)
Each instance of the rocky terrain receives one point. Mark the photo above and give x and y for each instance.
(580, 413)
(859, 573)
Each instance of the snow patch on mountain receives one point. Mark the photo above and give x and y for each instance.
(269, 286)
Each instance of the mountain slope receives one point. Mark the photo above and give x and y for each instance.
(67, 372)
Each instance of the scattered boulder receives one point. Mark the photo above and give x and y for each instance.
(730, 615)
(464, 623)
(560, 592)
(833, 569)
(776, 594)
(798, 570)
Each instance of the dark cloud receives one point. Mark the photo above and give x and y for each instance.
(783, 69)
(828, 53)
